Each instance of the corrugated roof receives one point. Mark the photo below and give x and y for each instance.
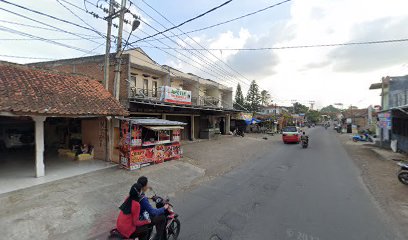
(27, 90)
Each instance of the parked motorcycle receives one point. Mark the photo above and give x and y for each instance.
(403, 172)
(362, 138)
(238, 132)
(172, 229)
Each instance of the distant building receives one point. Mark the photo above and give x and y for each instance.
(273, 109)
(393, 117)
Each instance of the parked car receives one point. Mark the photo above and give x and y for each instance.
(290, 134)
(14, 137)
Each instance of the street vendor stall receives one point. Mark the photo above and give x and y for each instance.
(146, 141)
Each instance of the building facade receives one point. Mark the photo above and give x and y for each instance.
(142, 88)
(393, 116)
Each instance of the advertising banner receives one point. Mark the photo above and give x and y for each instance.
(385, 120)
(174, 95)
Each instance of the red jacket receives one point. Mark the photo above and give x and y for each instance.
(126, 224)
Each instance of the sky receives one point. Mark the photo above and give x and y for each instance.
(328, 75)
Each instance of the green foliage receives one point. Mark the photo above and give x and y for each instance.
(299, 108)
(265, 98)
(253, 98)
(313, 116)
(330, 109)
(239, 102)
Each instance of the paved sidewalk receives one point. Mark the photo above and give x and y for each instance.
(86, 206)
(83, 206)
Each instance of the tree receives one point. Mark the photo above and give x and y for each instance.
(313, 116)
(265, 98)
(253, 98)
(239, 102)
(330, 109)
(299, 108)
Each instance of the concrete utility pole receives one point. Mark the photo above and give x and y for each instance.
(108, 46)
(108, 125)
(119, 50)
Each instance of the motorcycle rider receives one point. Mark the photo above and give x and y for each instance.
(156, 215)
(128, 223)
(304, 137)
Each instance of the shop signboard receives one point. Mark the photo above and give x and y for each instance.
(174, 95)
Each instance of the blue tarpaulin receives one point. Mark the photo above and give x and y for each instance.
(252, 121)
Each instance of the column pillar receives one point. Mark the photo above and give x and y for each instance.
(39, 146)
(163, 116)
(227, 124)
(192, 127)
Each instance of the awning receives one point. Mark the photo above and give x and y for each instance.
(158, 128)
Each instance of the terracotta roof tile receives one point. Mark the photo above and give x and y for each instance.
(28, 90)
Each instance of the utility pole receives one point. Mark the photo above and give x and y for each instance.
(118, 56)
(108, 125)
(108, 46)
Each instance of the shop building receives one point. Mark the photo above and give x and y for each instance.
(147, 89)
(393, 117)
(45, 115)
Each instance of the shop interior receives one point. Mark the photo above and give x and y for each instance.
(17, 151)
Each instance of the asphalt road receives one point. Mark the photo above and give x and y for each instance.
(289, 193)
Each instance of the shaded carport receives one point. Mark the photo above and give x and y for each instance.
(40, 94)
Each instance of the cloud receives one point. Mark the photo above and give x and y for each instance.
(368, 57)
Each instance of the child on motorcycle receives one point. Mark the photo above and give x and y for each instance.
(155, 214)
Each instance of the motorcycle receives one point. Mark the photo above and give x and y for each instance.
(403, 172)
(172, 229)
(238, 132)
(305, 143)
(362, 138)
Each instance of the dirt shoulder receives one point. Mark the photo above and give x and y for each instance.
(378, 172)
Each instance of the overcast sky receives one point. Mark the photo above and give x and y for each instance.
(324, 75)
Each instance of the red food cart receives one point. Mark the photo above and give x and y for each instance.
(146, 141)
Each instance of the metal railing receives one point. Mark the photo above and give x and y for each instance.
(145, 93)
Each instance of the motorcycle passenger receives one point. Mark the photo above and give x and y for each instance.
(156, 214)
(304, 137)
(128, 223)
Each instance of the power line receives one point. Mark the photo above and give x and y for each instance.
(37, 58)
(187, 21)
(192, 40)
(6, 29)
(293, 47)
(231, 20)
(49, 16)
(57, 28)
(82, 20)
(54, 39)
(202, 59)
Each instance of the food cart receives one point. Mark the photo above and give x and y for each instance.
(146, 141)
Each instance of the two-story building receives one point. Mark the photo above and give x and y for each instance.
(273, 109)
(393, 117)
(148, 89)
